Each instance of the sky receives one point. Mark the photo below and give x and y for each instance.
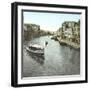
(49, 21)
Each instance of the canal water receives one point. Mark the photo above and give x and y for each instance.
(58, 60)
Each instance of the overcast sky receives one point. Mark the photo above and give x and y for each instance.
(49, 21)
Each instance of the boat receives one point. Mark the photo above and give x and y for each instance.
(35, 49)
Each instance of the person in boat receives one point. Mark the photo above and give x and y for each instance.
(46, 43)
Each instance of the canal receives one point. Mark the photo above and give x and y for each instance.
(58, 60)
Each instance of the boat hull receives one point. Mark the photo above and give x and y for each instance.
(36, 52)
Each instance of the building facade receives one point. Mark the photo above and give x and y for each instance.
(70, 31)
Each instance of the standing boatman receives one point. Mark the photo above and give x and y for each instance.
(46, 43)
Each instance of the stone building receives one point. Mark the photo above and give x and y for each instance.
(30, 31)
(70, 31)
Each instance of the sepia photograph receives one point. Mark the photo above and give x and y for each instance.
(51, 44)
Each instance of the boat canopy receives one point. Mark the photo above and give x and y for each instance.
(36, 46)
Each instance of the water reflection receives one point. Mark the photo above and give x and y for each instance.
(38, 58)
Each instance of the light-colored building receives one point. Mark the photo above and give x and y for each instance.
(70, 31)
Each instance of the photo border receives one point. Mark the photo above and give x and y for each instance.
(14, 43)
